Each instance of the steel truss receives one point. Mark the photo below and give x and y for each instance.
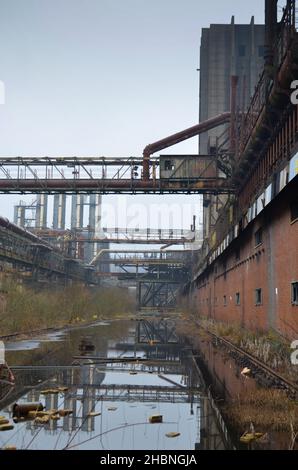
(98, 175)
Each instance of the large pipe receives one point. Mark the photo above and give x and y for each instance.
(180, 137)
(105, 186)
(5, 223)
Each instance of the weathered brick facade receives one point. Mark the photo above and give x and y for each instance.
(269, 265)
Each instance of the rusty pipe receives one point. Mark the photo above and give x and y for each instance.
(180, 137)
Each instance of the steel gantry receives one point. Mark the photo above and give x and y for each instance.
(104, 175)
(37, 259)
(159, 274)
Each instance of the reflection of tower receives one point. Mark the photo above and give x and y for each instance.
(70, 403)
(51, 402)
(88, 397)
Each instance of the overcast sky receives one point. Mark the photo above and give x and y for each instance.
(103, 77)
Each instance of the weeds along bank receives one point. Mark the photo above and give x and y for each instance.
(23, 308)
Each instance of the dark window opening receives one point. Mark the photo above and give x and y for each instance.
(225, 300)
(259, 297)
(237, 298)
(242, 51)
(295, 293)
(258, 237)
(294, 210)
(169, 165)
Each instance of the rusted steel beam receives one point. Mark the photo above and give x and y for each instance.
(103, 186)
(180, 137)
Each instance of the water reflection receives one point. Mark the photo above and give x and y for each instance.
(111, 391)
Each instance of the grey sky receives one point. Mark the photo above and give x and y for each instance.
(102, 77)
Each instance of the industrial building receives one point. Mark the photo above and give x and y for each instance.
(247, 268)
(227, 50)
(247, 271)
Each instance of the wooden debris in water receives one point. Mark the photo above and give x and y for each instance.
(55, 417)
(246, 371)
(249, 437)
(3, 420)
(42, 419)
(155, 419)
(6, 427)
(112, 408)
(50, 391)
(173, 434)
(93, 413)
(65, 412)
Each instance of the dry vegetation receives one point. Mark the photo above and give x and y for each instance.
(268, 410)
(25, 309)
(269, 347)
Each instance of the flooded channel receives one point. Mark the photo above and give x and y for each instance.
(107, 387)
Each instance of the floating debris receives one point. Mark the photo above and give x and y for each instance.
(3, 420)
(86, 344)
(23, 409)
(112, 408)
(42, 419)
(133, 372)
(50, 391)
(246, 371)
(6, 427)
(173, 434)
(155, 419)
(249, 437)
(65, 412)
(19, 420)
(93, 413)
(9, 448)
(55, 417)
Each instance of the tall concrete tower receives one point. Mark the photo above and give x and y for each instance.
(59, 211)
(226, 51)
(41, 211)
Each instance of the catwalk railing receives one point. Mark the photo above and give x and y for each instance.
(97, 175)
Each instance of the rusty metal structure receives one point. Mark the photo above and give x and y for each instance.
(247, 269)
(37, 260)
(181, 137)
(157, 274)
(98, 175)
(253, 165)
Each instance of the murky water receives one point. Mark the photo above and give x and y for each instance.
(111, 400)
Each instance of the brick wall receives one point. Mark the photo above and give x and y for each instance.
(271, 265)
